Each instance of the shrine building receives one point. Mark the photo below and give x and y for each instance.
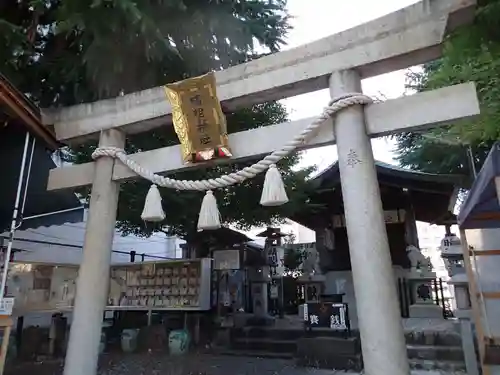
(407, 197)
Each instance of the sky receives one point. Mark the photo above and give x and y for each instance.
(316, 19)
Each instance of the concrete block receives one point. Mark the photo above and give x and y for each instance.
(426, 311)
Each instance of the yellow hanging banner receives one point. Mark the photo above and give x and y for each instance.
(198, 119)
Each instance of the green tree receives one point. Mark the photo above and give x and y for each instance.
(64, 52)
(470, 54)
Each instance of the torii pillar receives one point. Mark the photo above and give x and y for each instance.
(382, 337)
(93, 275)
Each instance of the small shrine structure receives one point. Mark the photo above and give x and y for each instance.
(407, 197)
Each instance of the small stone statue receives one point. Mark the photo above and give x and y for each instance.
(310, 266)
(417, 260)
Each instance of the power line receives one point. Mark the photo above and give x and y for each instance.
(129, 241)
(76, 226)
(138, 241)
(46, 235)
(81, 248)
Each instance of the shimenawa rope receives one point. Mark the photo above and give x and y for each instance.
(273, 193)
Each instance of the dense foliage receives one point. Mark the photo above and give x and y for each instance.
(470, 54)
(63, 52)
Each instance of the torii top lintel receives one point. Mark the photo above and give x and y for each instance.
(405, 38)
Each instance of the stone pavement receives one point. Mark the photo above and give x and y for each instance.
(202, 364)
(216, 365)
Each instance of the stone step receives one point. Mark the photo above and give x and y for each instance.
(328, 345)
(412, 338)
(336, 345)
(436, 353)
(282, 334)
(434, 338)
(348, 363)
(352, 362)
(252, 353)
(264, 345)
(343, 347)
(430, 365)
(330, 353)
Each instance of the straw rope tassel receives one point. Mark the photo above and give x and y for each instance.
(153, 210)
(209, 218)
(273, 191)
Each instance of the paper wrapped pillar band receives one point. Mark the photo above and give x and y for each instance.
(198, 119)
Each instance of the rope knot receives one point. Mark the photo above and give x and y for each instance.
(112, 152)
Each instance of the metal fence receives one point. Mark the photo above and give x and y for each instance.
(407, 297)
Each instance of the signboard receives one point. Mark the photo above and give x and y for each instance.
(326, 315)
(226, 260)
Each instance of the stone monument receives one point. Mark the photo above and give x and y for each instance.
(420, 280)
(312, 278)
(260, 280)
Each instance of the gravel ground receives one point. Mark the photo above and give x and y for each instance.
(203, 364)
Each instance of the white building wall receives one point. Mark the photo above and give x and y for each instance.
(72, 234)
(46, 245)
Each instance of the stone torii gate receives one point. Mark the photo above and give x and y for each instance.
(402, 39)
